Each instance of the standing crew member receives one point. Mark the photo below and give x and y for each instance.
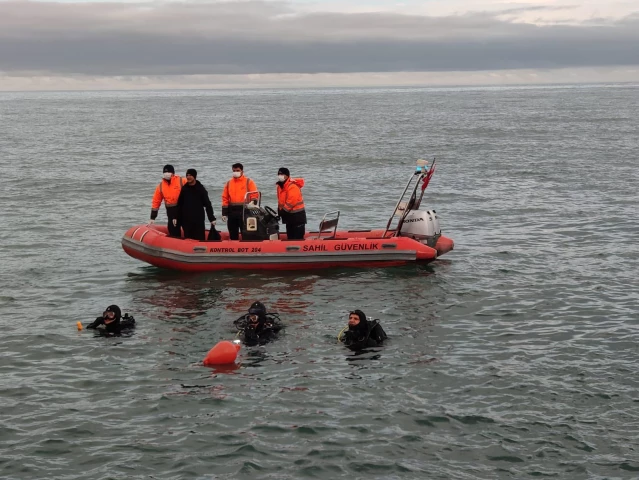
(233, 199)
(290, 204)
(169, 191)
(193, 200)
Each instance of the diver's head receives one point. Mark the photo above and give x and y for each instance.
(112, 313)
(356, 320)
(257, 308)
(256, 314)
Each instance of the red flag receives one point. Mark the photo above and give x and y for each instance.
(428, 176)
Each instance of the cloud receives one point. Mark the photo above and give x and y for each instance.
(256, 37)
(291, 80)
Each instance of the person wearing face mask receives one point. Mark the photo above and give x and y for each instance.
(361, 332)
(169, 191)
(233, 197)
(290, 204)
(258, 326)
(111, 322)
(192, 202)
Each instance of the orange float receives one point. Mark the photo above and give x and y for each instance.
(223, 353)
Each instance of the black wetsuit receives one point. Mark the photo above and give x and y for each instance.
(266, 329)
(116, 327)
(367, 333)
(193, 200)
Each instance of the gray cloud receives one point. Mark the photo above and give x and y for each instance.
(259, 37)
(536, 8)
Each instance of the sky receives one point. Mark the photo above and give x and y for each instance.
(95, 45)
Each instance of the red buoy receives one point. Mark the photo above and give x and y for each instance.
(223, 353)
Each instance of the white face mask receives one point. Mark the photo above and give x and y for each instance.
(281, 178)
(167, 175)
(237, 174)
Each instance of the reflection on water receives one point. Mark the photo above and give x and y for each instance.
(254, 357)
(180, 296)
(224, 369)
(364, 355)
(177, 296)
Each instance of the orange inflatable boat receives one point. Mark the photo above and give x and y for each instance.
(415, 238)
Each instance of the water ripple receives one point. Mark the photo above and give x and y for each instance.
(512, 357)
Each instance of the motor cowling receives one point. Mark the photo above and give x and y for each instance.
(433, 214)
(422, 226)
(259, 224)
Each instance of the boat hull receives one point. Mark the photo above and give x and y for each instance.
(361, 249)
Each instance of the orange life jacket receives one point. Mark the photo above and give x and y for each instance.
(234, 192)
(167, 191)
(289, 197)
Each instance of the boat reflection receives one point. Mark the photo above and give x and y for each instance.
(185, 297)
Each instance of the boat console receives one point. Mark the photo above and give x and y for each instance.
(258, 223)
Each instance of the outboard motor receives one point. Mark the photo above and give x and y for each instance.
(435, 218)
(260, 223)
(422, 226)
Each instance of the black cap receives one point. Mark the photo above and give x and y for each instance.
(192, 171)
(284, 171)
(168, 168)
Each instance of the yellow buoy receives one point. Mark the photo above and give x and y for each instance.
(79, 324)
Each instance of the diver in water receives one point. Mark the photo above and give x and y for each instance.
(111, 322)
(361, 333)
(258, 326)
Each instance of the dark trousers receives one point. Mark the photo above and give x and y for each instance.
(234, 225)
(194, 230)
(295, 232)
(172, 213)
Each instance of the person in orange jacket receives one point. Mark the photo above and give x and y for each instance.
(233, 196)
(290, 204)
(169, 191)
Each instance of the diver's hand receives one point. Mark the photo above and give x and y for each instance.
(224, 218)
(175, 222)
(213, 222)
(151, 222)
